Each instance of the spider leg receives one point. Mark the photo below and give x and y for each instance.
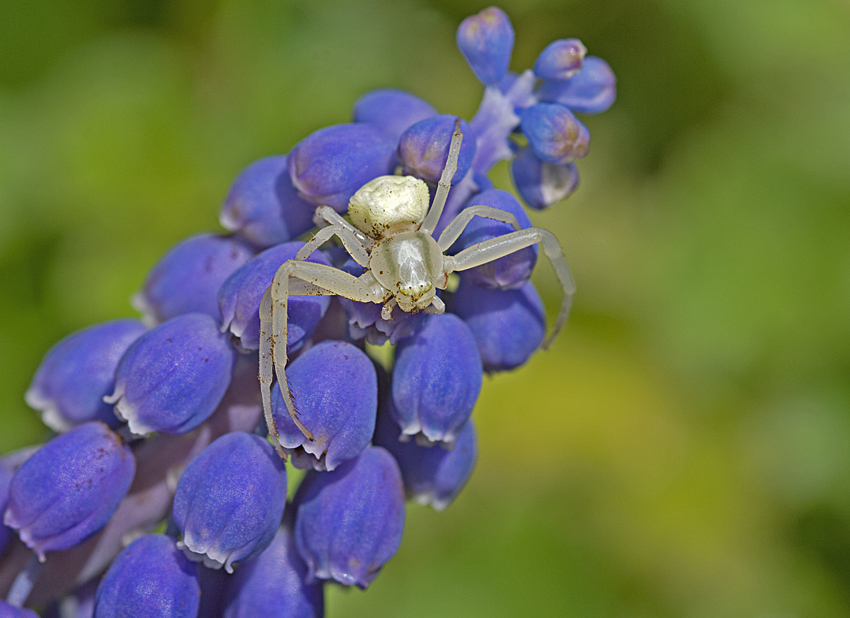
(494, 248)
(458, 224)
(296, 277)
(327, 215)
(433, 216)
(437, 306)
(266, 369)
(350, 241)
(387, 309)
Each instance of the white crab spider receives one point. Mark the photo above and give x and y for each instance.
(390, 235)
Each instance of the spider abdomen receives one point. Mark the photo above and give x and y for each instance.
(389, 203)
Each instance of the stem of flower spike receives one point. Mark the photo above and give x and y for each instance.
(22, 586)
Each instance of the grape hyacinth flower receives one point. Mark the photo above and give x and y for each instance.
(69, 488)
(349, 522)
(240, 294)
(337, 393)
(78, 372)
(151, 577)
(188, 277)
(172, 378)
(431, 475)
(229, 501)
(159, 420)
(436, 380)
(275, 584)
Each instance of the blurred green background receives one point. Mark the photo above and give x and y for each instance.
(684, 449)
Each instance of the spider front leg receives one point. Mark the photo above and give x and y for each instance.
(298, 278)
(455, 228)
(350, 241)
(445, 183)
(266, 370)
(325, 215)
(494, 248)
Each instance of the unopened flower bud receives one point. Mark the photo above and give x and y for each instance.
(274, 585)
(187, 278)
(240, 296)
(391, 111)
(69, 488)
(173, 377)
(424, 148)
(540, 183)
(349, 522)
(76, 373)
(508, 325)
(264, 207)
(335, 391)
(330, 165)
(486, 40)
(229, 500)
(554, 133)
(432, 475)
(436, 379)
(151, 578)
(560, 60)
(591, 91)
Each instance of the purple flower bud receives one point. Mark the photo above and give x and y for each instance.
(510, 271)
(508, 325)
(541, 184)
(554, 133)
(187, 278)
(240, 296)
(76, 373)
(365, 321)
(12, 611)
(229, 500)
(151, 578)
(424, 148)
(335, 391)
(486, 40)
(274, 585)
(69, 488)
(5, 482)
(560, 60)
(264, 207)
(432, 474)
(173, 377)
(330, 165)
(436, 379)
(591, 91)
(391, 111)
(350, 521)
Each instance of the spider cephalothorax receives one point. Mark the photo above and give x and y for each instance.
(391, 236)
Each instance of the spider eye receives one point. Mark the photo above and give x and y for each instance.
(415, 290)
